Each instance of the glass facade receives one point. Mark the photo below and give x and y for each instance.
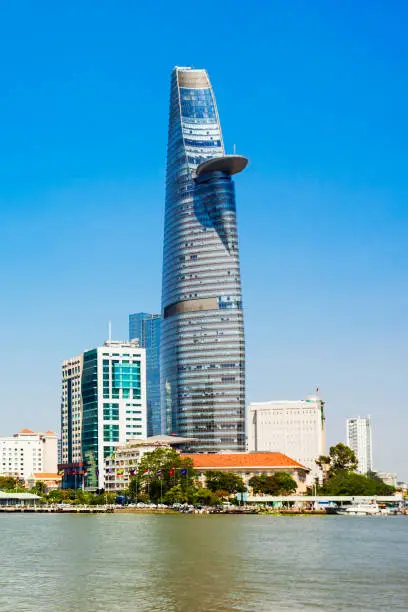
(202, 343)
(147, 327)
(90, 416)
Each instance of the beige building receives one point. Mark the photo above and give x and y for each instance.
(122, 465)
(248, 465)
(295, 428)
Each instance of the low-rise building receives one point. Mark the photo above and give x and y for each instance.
(389, 478)
(122, 465)
(51, 481)
(27, 452)
(249, 464)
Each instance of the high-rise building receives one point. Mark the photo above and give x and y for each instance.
(27, 452)
(202, 343)
(146, 327)
(359, 439)
(103, 406)
(295, 428)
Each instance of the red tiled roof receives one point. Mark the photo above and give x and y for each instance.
(247, 460)
(27, 431)
(50, 432)
(47, 476)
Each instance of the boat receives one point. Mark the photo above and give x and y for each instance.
(360, 509)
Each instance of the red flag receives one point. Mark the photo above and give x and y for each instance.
(171, 472)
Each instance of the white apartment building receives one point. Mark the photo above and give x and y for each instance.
(103, 406)
(27, 452)
(294, 428)
(359, 439)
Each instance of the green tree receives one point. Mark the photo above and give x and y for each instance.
(350, 483)
(39, 488)
(277, 484)
(225, 481)
(340, 459)
(8, 483)
(161, 470)
(206, 497)
(175, 495)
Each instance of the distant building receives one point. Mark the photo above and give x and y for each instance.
(59, 450)
(390, 478)
(51, 480)
(247, 465)
(295, 428)
(146, 327)
(121, 466)
(103, 406)
(359, 439)
(27, 452)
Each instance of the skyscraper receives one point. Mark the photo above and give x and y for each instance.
(359, 439)
(202, 343)
(103, 406)
(146, 327)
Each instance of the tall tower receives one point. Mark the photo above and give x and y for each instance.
(359, 439)
(202, 342)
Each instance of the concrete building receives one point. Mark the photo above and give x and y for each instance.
(248, 465)
(359, 439)
(295, 428)
(103, 406)
(51, 480)
(27, 452)
(122, 465)
(390, 478)
(202, 366)
(147, 329)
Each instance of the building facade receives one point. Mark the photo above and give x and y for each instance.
(202, 343)
(27, 452)
(122, 465)
(248, 465)
(359, 439)
(103, 405)
(147, 328)
(295, 428)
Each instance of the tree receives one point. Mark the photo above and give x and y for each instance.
(340, 458)
(277, 484)
(175, 495)
(8, 483)
(226, 481)
(350, 483)
(39, 488)
(161, 470)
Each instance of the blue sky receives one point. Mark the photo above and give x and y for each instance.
(315, 93)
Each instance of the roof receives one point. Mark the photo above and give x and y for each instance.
(26, 431)
(47, 476)
(243, 460)
(51, 433)
(168, 439)
(7, 495)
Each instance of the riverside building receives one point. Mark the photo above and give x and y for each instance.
(27, 452)
(146, 328)
(359, 439)
(103, 405)
(202, 342)
(295, 428)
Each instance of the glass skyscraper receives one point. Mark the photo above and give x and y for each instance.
(202, 343)
(146, 327)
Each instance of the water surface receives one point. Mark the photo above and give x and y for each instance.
(181, 563)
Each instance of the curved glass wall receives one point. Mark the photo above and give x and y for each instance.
(202, 341)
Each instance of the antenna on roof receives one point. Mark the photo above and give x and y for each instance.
(110, 330)
(234, 148)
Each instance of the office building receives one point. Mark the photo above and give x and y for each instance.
(295, 428)
(202, 342)
(359, 439)
(103, 405)
(146, 328)
(27, 452)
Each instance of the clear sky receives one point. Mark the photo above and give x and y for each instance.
(315, 93)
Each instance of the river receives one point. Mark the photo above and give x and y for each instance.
(133, 562)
